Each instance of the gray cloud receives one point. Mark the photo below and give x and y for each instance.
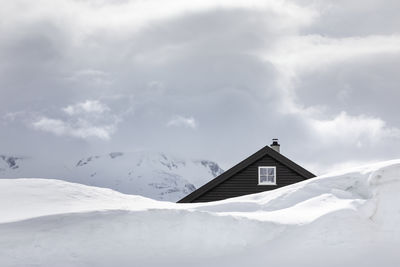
(114, 74)
(181, 121)
(363, 86)
(346, 18)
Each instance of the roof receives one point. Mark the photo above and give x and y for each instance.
(265, 151)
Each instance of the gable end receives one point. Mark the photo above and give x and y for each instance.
(262, 153)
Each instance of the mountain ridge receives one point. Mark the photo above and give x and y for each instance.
(152, 174)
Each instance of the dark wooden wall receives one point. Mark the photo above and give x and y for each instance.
(246, 181)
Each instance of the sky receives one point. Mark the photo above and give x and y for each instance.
(202, 79)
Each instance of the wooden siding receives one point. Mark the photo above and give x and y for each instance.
(246, 181)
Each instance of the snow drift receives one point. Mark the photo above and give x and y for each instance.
(343, 219)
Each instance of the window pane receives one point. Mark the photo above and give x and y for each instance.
(263, 179)
(271, 171)
(263, 171)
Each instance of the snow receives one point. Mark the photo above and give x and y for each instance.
(348, 218)
(151, 174)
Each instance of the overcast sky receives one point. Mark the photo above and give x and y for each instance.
(202, 79)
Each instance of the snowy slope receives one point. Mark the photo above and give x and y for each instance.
(152, 174)
(343, 219)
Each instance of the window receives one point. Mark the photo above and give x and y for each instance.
(267, 175)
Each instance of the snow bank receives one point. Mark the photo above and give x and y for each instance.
(342, 219)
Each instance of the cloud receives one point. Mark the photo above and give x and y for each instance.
(180, 121)
(92, 77)
(344, 18)
(13, 116)
(84, 120)
(314, 73)
(89, 106)
(353, 130)
(80, 129)
(308, 53)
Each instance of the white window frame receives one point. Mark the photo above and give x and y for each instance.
(266, 182)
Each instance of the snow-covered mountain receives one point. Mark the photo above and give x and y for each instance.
(349, 218)
(151, 174)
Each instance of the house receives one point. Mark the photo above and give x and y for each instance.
(267, 169)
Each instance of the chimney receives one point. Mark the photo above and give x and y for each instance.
(275, 145)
